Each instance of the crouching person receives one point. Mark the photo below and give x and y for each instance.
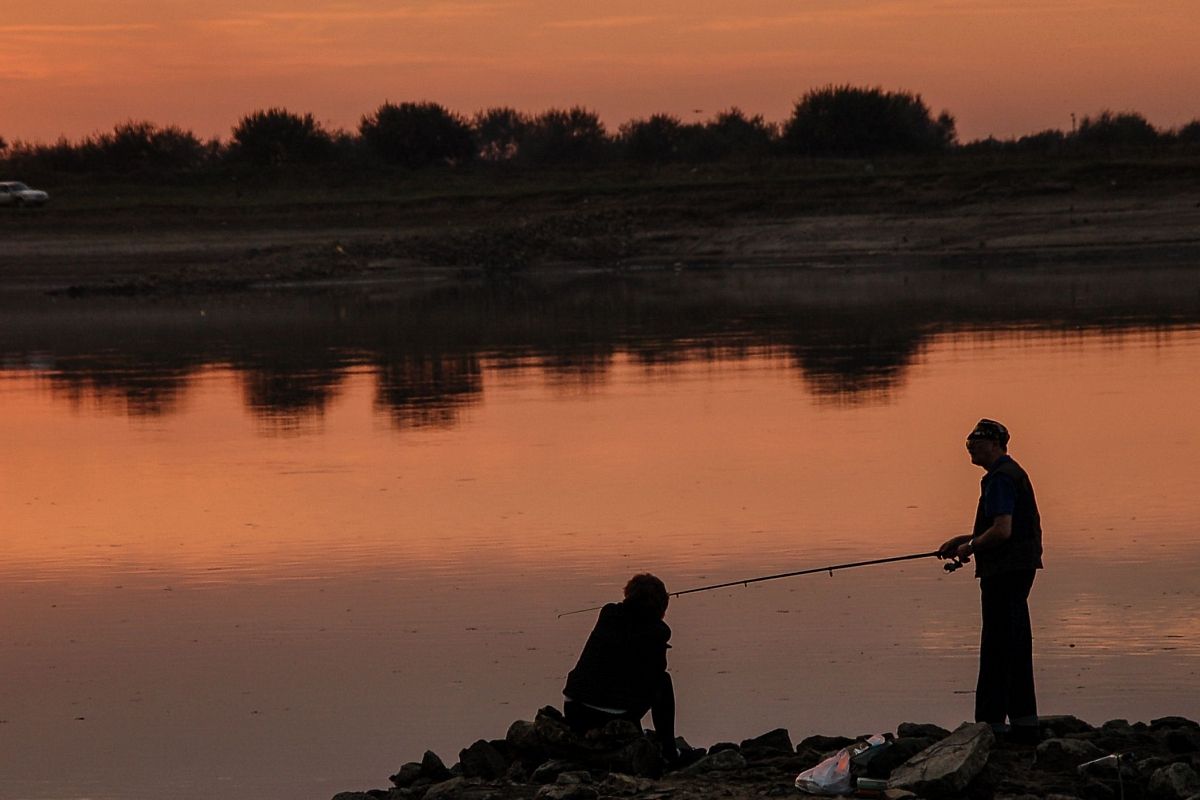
(622, 672)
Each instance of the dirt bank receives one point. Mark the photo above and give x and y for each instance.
(195, 241)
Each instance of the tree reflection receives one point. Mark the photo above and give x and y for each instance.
(851, 336)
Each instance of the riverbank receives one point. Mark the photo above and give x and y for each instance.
(543, 760)
(141, 239)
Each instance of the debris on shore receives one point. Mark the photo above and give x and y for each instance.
(545, 760)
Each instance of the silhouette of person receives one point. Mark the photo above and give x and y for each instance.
(1006, 542)
(622, 671)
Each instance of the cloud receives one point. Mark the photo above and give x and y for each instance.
(67, 30)
(602, 22)
(437, 11)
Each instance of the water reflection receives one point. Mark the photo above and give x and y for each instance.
(851, 337)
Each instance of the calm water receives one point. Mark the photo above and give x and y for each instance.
(277, 548)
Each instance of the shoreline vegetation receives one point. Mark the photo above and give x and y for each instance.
(855, 179)
(545, 760)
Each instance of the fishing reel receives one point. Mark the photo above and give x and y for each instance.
(955, 564)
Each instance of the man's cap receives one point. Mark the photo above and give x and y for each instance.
(989, 429)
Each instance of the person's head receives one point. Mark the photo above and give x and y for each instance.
(647, 593)
(986, 442)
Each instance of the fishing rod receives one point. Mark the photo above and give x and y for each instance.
(949, 567)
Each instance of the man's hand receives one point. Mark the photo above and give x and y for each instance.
(951, 547)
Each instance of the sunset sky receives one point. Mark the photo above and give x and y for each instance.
(1002, 67)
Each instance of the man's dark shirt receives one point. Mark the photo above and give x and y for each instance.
(623, 661)
(1006, 489)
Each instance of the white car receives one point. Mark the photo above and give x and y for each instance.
(16, 194)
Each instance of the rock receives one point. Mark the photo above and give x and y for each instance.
(482, 760)
(921, 730)
(897, 794)
(407, 774)
(446, 789)
(523, 739)
(719, 746)
(352, 796)
(1173, 722)
(947, 767)
(433, 768)
(554, 736)
(640, 757)
(723, 761)
(569, 792)
(1120, 725)
(772, 743)
(824, 744)
(550, 770)
(1096, 790)
(615, 733)
(1056, 727)
(885, 762)
(1106, 769)
(1181, 740)
(1174, 782)
(573, 777)
(620, 785)
(1065, 754)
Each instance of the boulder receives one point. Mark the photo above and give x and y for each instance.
(921, 730)
(433, 768)
(575, 791)
(945, 768)
(446, 789)
(1181, 740)
(407, 775)
(549, 771)
(1056, 727)
(1174, 782)
(482, 760)
(573, 777)
(719, 746)
(1065, 754)
(824, 744)
(618, 785)
(899, 751)
(523, 739)
(723, 761)
(772, 743)
(1173, 722)
(352, 796)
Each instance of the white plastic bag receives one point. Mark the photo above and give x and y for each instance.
(832, 776)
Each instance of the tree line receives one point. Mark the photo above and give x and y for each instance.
(833, 121)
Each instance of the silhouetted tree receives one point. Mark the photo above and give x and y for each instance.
(277, 136)
(417, 134)
(732, 134)
(1189, 134)
(1110, 131)
(498, 133)
(849, 121)
(144, 147)
(654, 140)
(575, 136)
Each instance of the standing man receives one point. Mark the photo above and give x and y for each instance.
(622, 672)
(1007, 545)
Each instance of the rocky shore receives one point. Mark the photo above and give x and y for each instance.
(544, 760)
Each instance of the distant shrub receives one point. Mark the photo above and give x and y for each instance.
(653, 140)
(732, 133)
(1189, 134)
(276, 136)
(498, 133)
(143, 147)
(853, 121)
(417, 134)
(1109, 131)
(574, 136)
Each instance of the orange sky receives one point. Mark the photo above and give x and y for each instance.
(1002, 67)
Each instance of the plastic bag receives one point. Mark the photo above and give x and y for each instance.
(834, 775)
